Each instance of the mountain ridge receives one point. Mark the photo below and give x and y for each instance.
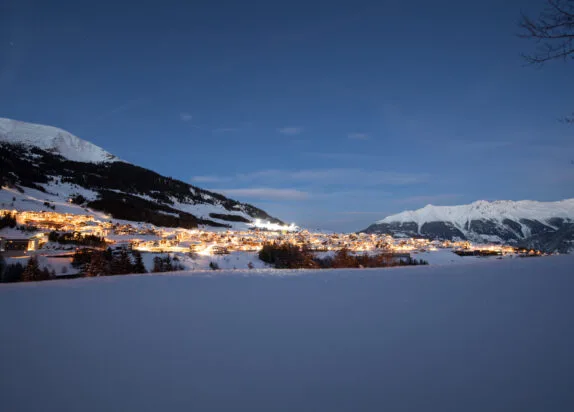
(525, 223)
(49, 167)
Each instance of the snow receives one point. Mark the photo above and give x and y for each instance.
(202, 211)
(475, 338)
(498, 210)
(52, 139)
(232, 261)
(57, 194)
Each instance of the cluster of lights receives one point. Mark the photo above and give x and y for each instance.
(273, 227)
(209, 242)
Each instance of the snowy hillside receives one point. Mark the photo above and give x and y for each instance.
(45, 168)
(547, 224)
(53, 140)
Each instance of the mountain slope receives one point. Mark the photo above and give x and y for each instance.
(545, 225)
(44, 167)
(53, 140)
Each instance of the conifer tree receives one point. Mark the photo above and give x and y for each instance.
(157, 264)
(32, 270)
(139, 266)
(13, 273)
(121, 264)
(2, 267)
(98, 266)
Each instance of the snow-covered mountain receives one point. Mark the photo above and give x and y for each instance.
(46, 168)
(546, 225)
(53, 140)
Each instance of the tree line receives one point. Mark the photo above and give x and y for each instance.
(287, 256)
(31, 272)
(93, 262)
(76, 238)
(88, 263)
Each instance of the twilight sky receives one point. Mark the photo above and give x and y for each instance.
(331, 114)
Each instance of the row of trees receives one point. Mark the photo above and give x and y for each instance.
(76, 238)
(166, 264)
(30, 272)
(92, 262)
(89, 263)
(287, 256)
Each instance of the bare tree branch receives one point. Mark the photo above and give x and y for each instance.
(553, 30)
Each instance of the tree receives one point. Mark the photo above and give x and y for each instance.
(344, 259)
(553, 30)
(121, 264)
(13, 273)
(166, 264)
(2, 266)
(45, 274)
(108, 255)
(32, 270)
(308, 258)
(8, 220)
(139, 266)
(81, 259)
(98, 266)
(157, 264)
(176, 264)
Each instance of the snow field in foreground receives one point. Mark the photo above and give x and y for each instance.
(484, 337)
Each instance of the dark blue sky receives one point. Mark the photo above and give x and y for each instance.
(331, 114)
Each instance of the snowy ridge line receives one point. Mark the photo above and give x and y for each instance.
(54, 140)
(497, 210)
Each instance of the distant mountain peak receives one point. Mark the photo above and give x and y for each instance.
(54, 140)
(483, 209)
(544, 225)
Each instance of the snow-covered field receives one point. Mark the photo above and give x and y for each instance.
(496, 336)
(233, 261)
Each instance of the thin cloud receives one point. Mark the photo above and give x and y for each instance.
(222, 130)
(360, 176)
(290, 131)
(185, 117)
(361, 213)
(425, 200)
(475, 145)
(356, 177)
(129, 105)
(210, 179)
(266, 193)
(358, 136)
(342, 156)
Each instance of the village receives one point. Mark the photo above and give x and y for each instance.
(34, 229)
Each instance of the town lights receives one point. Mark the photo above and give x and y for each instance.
(273, 227)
